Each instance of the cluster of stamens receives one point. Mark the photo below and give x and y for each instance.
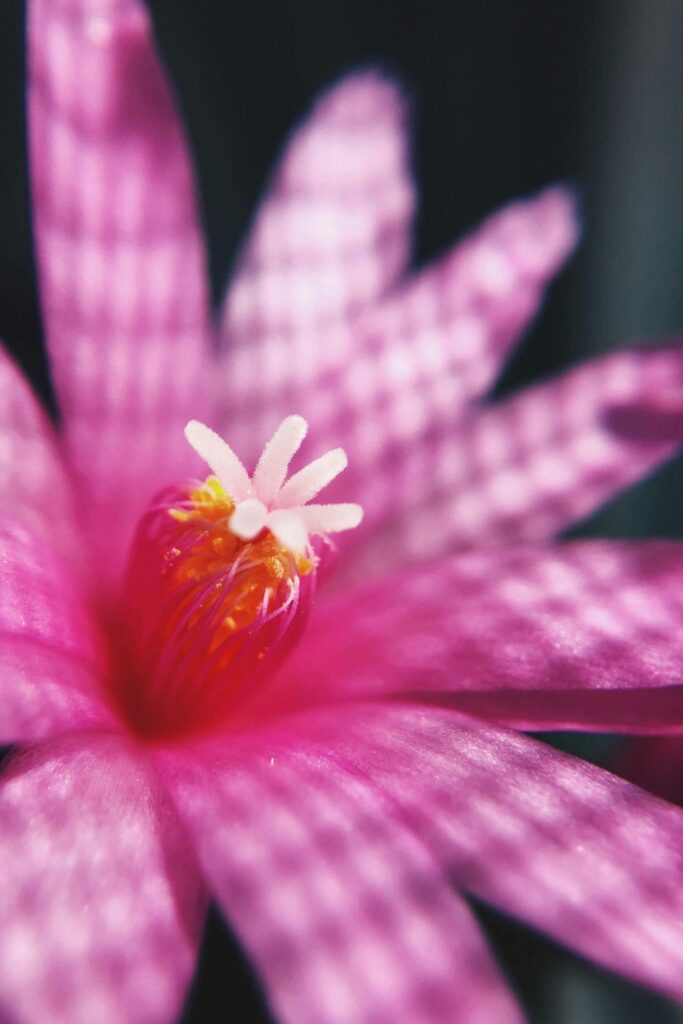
(221, 576)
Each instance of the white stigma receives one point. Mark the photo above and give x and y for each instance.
(268, 499)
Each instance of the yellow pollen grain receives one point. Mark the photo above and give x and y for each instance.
(214, 550)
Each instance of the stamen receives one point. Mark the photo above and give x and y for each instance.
(220, 583)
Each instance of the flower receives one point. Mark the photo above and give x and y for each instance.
(331, 809)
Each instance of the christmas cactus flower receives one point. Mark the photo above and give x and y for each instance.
(212, 697)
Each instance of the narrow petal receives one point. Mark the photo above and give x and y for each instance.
(457, 320)
(536, 464)
(584, 635)
(566, 847)
(120, 255)
(221, 459)
(102, 903)
(34, 484)
(332, 235)
(289, 528)
(51, 662)
(272, 467)
(330, 518)
(311, 480)
(406, 372)
(345, 915)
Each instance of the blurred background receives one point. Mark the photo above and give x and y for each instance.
(507, 97)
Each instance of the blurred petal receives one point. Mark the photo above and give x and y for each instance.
(458, 319)
(51, 666)
(566, 847)
(119, 252)
(585, 635)
(332, 235)
(346, 916)
(34, 485)
(535, 464)
(102, 903)
(405, 374)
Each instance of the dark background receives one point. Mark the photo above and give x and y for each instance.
(507, 97)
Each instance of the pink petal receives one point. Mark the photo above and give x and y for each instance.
(346, 916)
(119, 253)
(393, 386)
(51, 662)
(332, 235)
(576, 852)
(584, 635)
(102, 903)
(534, 465)
(34, 486)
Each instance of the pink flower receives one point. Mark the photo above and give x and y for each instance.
(331, 810)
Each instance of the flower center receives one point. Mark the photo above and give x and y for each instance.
(215, 596)
(204, 610)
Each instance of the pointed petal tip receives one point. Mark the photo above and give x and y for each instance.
(538, 232)
(363, 95)
(559, 216)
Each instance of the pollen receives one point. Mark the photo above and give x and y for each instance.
(261, 570)
(221, 576)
